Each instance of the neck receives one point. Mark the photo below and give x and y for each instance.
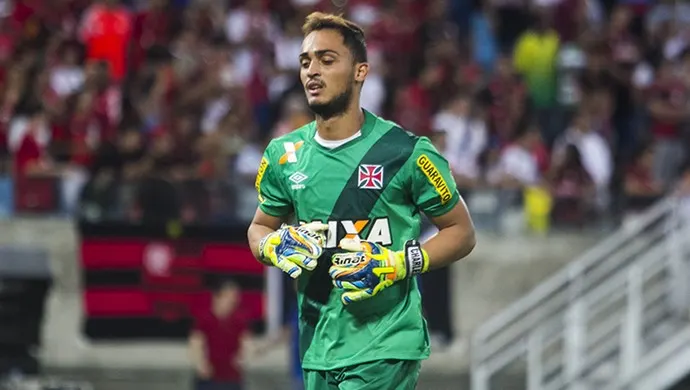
(218, 313)
(341, 126)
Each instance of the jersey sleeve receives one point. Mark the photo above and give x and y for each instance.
(433, 188)
(273, 199)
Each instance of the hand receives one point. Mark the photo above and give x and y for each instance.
(292, 248)
(367, 267)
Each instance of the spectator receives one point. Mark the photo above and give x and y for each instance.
(484, 44)
(106, 30)
(512, 19)
(218, 342)
(624, 53)
(667, 11)
(668, 106)
(465, 139)
(505, 98)
(28, 139)
(518, 166)
(571, 60)
(414, 105)
(130, 160)
(535, 59)
(217, 76)
(157, 201)
(250, 21)
(594, 151)
(34, 170)
(641, 188)
(67, 76)
(295, 114)
(152, 26)
(572, 187)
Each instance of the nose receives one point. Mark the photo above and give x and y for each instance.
(313, 70)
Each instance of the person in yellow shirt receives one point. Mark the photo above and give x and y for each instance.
(534, 58)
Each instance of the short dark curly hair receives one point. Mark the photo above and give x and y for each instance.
(353, 35)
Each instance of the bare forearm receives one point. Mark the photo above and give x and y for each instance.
(450, 245)
(197, 350)
(254, 234)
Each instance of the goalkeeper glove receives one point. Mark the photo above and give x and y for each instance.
(367, 267)
(292, 248)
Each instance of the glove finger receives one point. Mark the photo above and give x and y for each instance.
(315, 226)
(287, 266)
(347, 274)
(351, 244)
(381, 286)
(301, 260)
(302, 243)
(350, 286)
(355, 296)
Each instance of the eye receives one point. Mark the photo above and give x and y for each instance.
(304, 63)
(327, 60)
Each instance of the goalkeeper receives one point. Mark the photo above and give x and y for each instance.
(352, 187)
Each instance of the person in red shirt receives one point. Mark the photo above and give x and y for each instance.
(34, 172)
(414, 102)
(218, 341)
(151, 26)
(504, 96)
(106, 30)
(28, 139)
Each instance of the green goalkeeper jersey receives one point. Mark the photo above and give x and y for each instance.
(374, 187)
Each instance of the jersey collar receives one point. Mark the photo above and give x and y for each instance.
(367, 127)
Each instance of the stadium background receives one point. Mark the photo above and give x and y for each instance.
(141, 124)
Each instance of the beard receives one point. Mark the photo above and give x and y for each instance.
(335, 107)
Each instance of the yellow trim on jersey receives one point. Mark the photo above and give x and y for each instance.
(435, 178)
(259, 177)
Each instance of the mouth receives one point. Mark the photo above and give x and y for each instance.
(314, 88)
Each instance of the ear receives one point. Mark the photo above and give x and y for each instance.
(361, 72)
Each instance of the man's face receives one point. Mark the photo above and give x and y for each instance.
(227, 300)
(328, 72)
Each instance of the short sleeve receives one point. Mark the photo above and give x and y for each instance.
(434, 190)
(201, 323)
(273, 199)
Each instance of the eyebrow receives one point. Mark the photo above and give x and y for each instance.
(319, 53)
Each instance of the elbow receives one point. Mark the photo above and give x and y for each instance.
(253, 240)
(464, 241)
(469, 242)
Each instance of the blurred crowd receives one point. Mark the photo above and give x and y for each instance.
(168, 104)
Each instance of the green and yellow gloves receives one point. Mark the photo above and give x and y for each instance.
(363, 270)
(367, 268)
(293, 248)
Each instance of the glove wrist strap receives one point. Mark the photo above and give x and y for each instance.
(416, 258)
(262, 244)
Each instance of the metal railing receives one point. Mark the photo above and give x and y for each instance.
(602, 312)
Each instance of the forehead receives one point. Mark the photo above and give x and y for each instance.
(321, 40)
(226, 290)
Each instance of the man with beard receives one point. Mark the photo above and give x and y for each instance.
(366, 182)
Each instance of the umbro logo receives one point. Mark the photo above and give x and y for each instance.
(297, 178)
